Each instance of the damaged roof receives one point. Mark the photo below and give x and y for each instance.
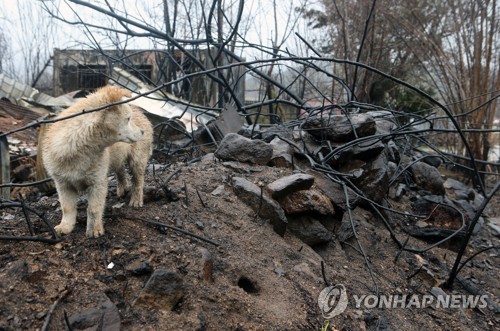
(26, 95)
(156, 104)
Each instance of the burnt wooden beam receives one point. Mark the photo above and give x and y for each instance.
(4, 167)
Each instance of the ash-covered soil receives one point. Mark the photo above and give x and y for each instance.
(261, 281)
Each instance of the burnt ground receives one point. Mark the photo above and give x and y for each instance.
(261, 281)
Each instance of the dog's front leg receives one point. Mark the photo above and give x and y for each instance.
(68, 197)
(97, 199)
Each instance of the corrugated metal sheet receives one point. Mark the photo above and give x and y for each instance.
(23, 94)
(8, 109)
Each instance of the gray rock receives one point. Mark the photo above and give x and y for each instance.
(277, 130)
(238, 148)
(289, 184)
(393, 152)
(279, 271)
(139, 268)
(477, 201)
(154, 168)
(282, 154)
(333, 190)
(251, 131)
(353, 167)
(367, 149)
(105, 317)
(253, 196)
(494, 224)
(467, 207)
(339, 128)
(374, 182)
(433, 160)
(208, 158)
(478, 226)
(392, 168)
(309, 230)
(364, 151)
(163, 290)
(219, 190)
(454, 184)
(421, 224)
(464, 195)
(428, 178)
(396, 192)
(384, 121)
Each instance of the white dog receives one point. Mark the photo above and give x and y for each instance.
(79, 152)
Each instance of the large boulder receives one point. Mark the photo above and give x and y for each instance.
(235, 147)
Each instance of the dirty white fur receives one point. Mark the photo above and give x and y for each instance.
(79, 152)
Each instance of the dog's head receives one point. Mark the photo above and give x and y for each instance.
(118, 118)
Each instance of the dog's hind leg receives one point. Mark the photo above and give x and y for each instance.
(68, 197)
(122, 182)
(138, 169)
(96, 199)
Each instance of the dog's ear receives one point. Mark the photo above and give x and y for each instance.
(114, 93)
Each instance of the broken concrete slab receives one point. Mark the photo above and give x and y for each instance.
(289, 184)
(254, 197)
(235, 147)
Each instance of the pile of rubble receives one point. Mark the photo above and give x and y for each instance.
(341, 162)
